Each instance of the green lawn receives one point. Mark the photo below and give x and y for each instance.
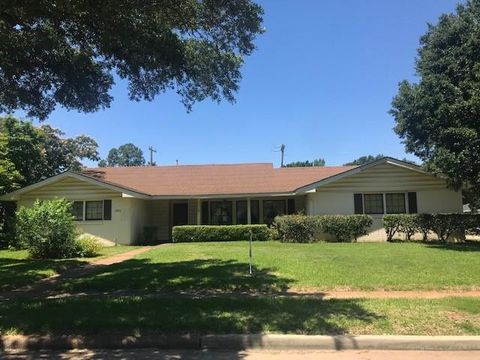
(278, 266)
(146, 315)
(16, 269)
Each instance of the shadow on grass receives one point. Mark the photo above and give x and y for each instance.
(193, 275)
(138, 316)
(463, 246)
(15, 273)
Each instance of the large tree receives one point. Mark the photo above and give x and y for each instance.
(29, 154)
(307, 163)
(438, 117)
(66, 52)
(124, 155)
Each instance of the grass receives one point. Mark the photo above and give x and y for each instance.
(17, 269)
(278, 266)
(147, 315)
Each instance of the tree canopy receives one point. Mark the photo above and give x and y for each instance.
(438, 118)
(29, 154)
(364, 159)
(67, 52)
(124, 155)
(307, 163)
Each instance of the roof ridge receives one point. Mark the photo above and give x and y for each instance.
(177, 166)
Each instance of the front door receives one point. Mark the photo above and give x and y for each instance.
(180, 214)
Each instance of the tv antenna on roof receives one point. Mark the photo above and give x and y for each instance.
(282, 150)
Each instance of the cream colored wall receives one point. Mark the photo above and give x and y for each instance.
(337, 198)
(119, 229)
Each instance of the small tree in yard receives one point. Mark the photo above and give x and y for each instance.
(48, 229)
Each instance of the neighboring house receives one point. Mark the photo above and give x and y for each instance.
(121, 203)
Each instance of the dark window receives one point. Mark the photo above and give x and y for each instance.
(373, 203)
(221, 212)
(395, 203)
(205, 213)
(77, 210)
(412, 203)
(93, 210)
(242, 212)
(271, 209)
(290, 206)
(255, 211)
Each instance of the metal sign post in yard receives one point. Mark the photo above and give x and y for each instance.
(250, 252)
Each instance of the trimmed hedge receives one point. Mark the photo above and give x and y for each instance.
(305, 228)
(442, 225)
(203, 233)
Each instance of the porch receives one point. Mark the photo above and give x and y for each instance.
(160, 216)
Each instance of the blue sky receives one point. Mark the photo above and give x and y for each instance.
(321, 83)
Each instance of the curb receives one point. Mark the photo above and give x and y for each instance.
(241, 342)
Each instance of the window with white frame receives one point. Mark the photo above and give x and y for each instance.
(395, 203)
(94, 210)
(373, 203)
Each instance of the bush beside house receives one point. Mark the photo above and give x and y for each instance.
(307, 228)
(48, 231)
(202, 233)
(444, 226)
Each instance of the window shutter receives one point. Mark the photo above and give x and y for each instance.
(107, 209)
(291, 206)
(358, 203)
(412, 203)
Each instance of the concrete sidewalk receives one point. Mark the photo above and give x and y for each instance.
(151, 354)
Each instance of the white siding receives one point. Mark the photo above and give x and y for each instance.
(119, 229)
(71, 189)
(433, 196)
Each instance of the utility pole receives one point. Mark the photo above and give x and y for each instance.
(282, 149)
(152, 150)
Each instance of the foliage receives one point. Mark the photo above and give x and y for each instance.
(200, 233)
(307, 228)
(47, 229)
(345, 227)
(408, 224)
(365, 159)
(443, 225)
(125, 155)
(437, 118)
(87, 246)
(65, 52)
(297, 228)
(316, 162)
(7, 224)
(30, 154)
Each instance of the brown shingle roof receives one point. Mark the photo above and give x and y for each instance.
(230, 179)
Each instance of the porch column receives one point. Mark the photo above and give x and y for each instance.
(249, 212)
(199, 212)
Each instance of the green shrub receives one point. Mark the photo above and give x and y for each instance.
(297, 228)
(443, 225)
(345, 227)
(407, 224)
(87, 246)
(203, 233)
(306, 228)
(48, 229)
(7, 225)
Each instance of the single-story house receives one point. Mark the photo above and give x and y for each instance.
(123, 204)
